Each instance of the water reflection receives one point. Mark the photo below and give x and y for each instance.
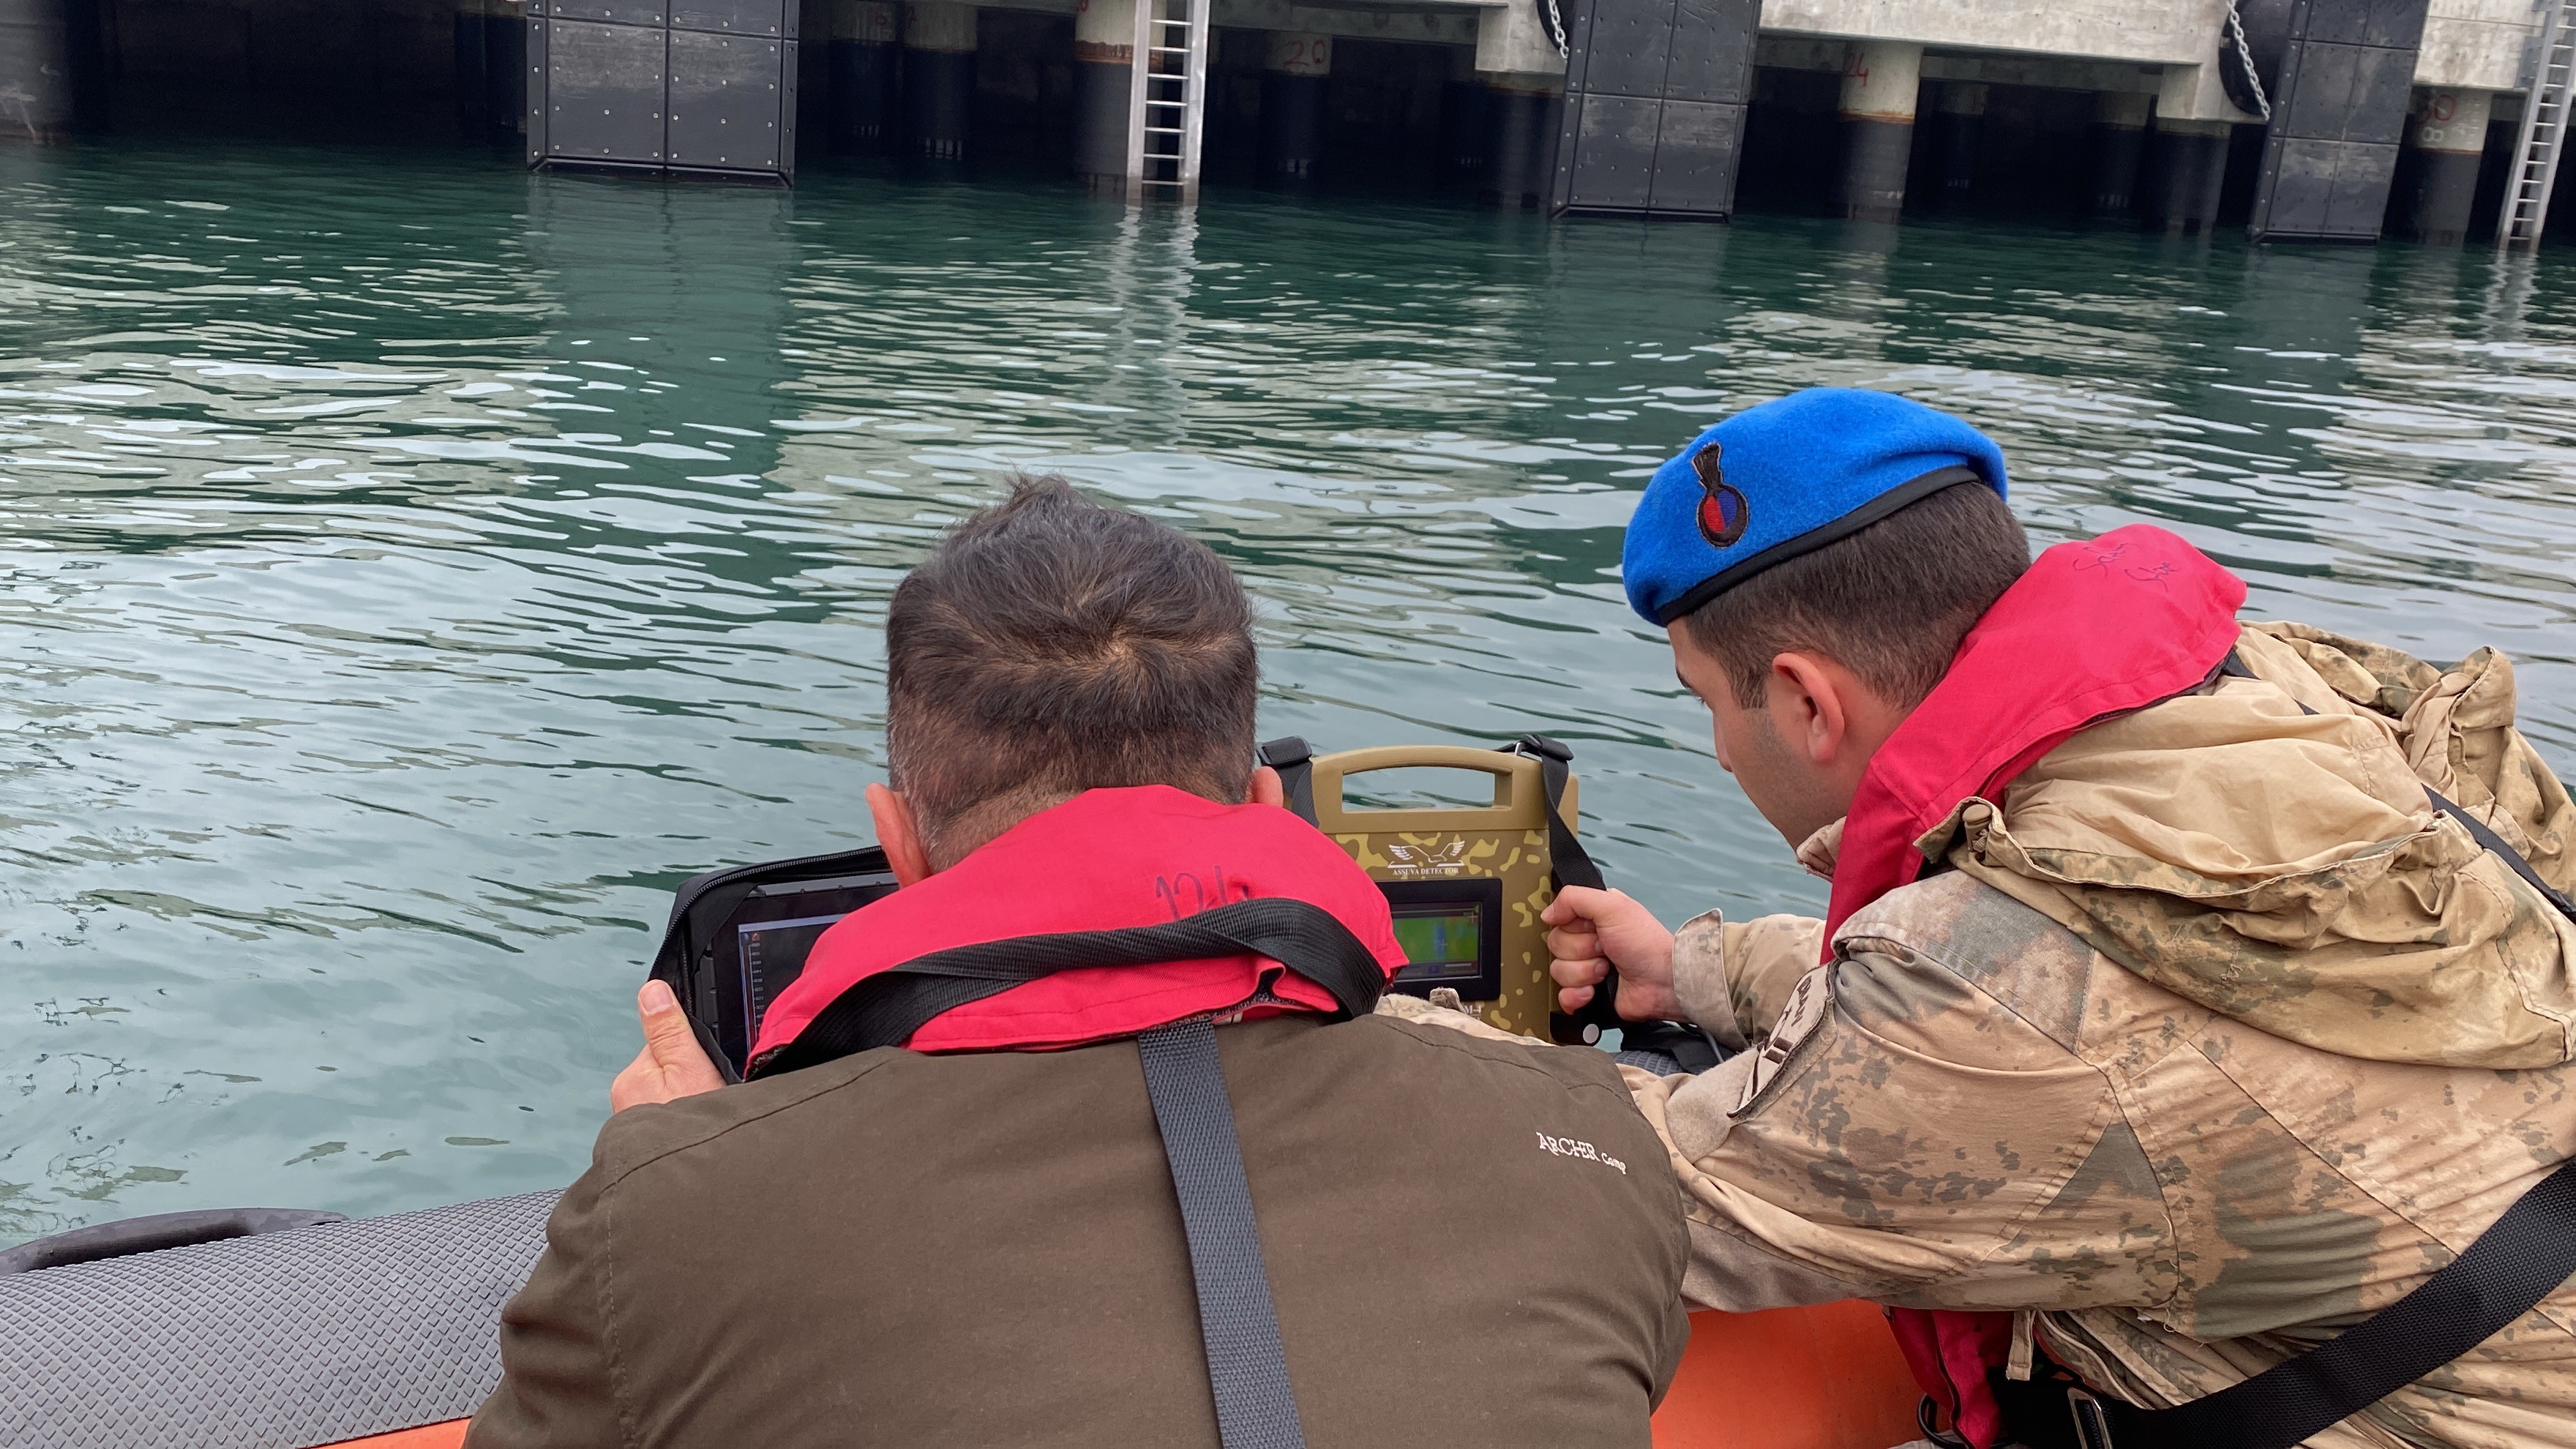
(411, 568)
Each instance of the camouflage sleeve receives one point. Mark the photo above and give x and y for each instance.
(1734, 977)
(1903, 1137)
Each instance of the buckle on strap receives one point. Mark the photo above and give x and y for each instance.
(2092, 1421)
(1543, 747)
(1284, 751)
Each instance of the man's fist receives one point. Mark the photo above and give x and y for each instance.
(1598, 931)
(672, 1064)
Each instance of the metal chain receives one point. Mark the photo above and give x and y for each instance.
(1555, 26)
(2245, 58)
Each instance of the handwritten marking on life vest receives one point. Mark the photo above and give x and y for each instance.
(1568, 1147)
(1185, 893)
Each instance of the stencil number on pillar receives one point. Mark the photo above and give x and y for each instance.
(1305, 55)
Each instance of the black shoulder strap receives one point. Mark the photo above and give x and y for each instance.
(2520, 1259)
(1574, 867)
(2494, 845)
(887, 1008)
(1238, 1326)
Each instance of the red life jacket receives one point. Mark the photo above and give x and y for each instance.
(1104, 860)
(2095, 629)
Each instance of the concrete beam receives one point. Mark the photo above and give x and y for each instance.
(2476, 44)
(2063, 73)
(1441, 25)
(1514, 40)
(2175, 32)
(2193, 93)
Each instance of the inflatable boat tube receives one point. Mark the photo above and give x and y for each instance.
(295, 1330)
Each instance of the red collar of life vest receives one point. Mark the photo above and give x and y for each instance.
(2095, 629)
(1104, 860)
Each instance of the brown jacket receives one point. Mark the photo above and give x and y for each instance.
(2212, 1041)
(1469, 1241)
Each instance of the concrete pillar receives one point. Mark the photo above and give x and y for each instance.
(1522, 113)
(939, 75)
(866, 68)
(1292, 102)
(1464, 130)
(39, 98)
(2192, 170)
(1959, 112)
(2450, 139)
(2119, 141)
(1880, 78)
(1104, 83)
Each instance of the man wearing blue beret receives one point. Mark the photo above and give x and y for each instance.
(2190, 992)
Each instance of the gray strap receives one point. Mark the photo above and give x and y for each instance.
(1247, 1368)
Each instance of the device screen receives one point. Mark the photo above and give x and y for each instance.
(763, 946)
(1443, 943)
(773, 956)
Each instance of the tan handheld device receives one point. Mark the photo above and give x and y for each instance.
(1465, 883)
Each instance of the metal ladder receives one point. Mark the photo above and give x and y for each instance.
(1167, 103)
(2543, 135)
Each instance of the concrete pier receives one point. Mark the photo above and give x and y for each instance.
(2448, 138)
(1294, 70)
(1957, 117)
(1104, 83)
(1880, 79)
(865, 66)
(1591, 107)
(2119, 145)
(939, 76)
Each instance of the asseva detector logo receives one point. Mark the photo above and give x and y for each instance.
(1723, 514)
(1406, 860)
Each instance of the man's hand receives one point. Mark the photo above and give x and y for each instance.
(672, 1064)
(1598, 930)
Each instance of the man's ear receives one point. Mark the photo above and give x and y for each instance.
(899, 836)
(1807, 707)
(1266, 787)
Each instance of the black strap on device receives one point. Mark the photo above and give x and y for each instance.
(2520, 1259)
(1185, 1081)
(1574, 867)
(1296, 766)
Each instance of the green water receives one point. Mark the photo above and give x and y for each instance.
(413, 569)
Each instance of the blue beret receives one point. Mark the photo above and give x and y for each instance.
(1786, 478)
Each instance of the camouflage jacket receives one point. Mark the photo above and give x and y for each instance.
(2211, 1040)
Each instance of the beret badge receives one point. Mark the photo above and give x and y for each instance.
(1723, 514)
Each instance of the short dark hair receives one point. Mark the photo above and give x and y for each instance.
(1891, 602)
(1052, 645)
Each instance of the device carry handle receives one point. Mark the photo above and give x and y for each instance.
(1516, 787)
